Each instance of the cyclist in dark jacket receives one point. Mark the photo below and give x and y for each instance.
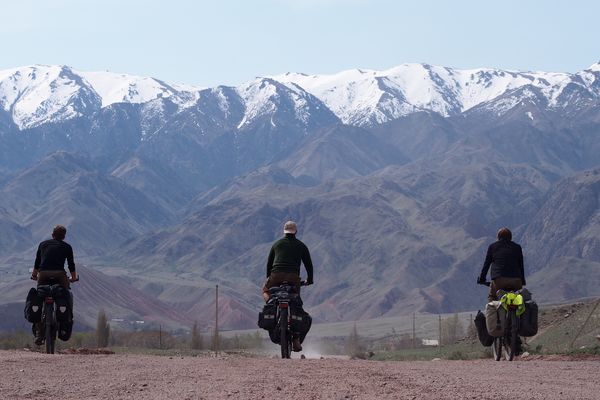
(283, 265)
(505, 258)
(50, 266)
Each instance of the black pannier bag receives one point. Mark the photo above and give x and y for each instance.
(528, 322)
(274, 335)
(301, 321)
(482, 333)
(63, 302)
(64, 330)
(64, 312)
(33, 306)
(266, 318)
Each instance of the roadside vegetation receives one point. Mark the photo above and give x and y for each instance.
(571, 329)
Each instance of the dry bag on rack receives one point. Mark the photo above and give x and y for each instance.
(495, 317)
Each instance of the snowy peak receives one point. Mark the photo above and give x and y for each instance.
(121, 88)
(594, 67)
(266, 97)
(39, 94)
(368, 97)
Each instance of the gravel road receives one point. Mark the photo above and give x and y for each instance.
(26, 375)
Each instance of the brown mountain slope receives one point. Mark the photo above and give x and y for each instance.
(96, 291)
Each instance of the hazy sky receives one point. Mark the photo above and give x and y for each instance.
(228, 42)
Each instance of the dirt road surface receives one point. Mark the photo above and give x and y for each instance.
(235, 377)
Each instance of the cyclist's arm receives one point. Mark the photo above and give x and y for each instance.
(70, 261)
(486, 263)
(38, 260)
(521, 265)
(270, 261)
(307, 265)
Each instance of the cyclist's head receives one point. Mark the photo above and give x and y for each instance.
(504, 233)
(290, 227)
(59, 232)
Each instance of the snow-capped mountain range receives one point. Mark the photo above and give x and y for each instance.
(404, 173)
(40, 94)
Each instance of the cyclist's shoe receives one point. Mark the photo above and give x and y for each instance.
(296, 346)
(38, 334)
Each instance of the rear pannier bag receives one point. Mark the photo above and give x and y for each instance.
(63, 301)
(64, 330)
(495, 316)
(266, 318)
(528, 322)
(274, 335)
(33, 306)
(482, 333)
(64, 312)
(301, 322)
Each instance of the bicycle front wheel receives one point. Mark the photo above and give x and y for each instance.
(497, 348)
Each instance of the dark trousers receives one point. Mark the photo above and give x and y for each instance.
(277, 278)
(52, 277)
(504, 284)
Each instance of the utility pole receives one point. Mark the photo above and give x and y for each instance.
(216, 344)
(584, 324)
(414, 336)
(440, 331)
(160, 336)
(471, 323)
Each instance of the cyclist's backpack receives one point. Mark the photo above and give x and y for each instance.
(495, 316)
(482, 333)
(528, 322)
(266, 318)
(33, 306)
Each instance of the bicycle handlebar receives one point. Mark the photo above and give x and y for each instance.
(35, 278)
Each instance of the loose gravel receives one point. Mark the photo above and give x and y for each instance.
(26, 375)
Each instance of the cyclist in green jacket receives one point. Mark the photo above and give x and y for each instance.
(283, 265)
(284, 261)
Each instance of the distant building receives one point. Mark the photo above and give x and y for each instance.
(430, 342)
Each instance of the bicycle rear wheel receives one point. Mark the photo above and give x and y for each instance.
(49, 328)
(514, 336)
(284, 334)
